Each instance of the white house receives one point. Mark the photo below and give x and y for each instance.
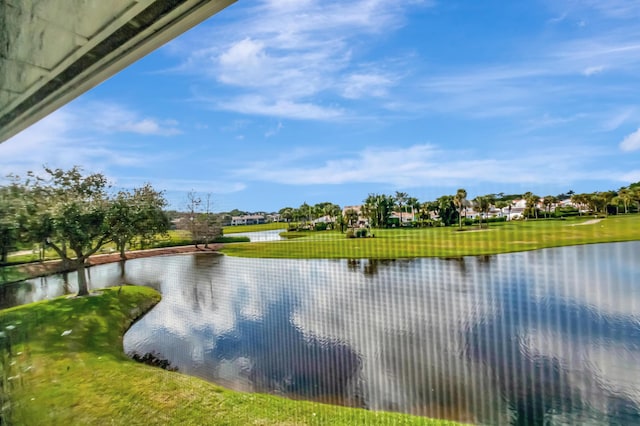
(247, 219)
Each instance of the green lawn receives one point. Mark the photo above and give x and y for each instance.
(447, 242)
(12, 273)
(66, 366)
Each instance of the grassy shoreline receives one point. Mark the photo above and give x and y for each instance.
(66, 366)
(447, 242)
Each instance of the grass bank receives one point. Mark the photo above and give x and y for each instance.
(172, 238)
(448, 242)
(61, 362)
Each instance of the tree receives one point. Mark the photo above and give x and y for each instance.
(208, 224)
(377, 208)
(531, 208)
(459, 202)
(482, 204)
(305, 212)
(635, 191)
(10, 197)
(333, 211)
(447, 210)
(297, 215)
(580, 201)
(351, 216)
(548, 201)
(203, 226)
(138, 214)
(502, 204)
(67, 211)
(600, 201)
(193, 207)
(401, 199)
(625, 195)
(414, 204)
(286, 213)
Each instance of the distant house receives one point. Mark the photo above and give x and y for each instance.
(407, 217)
(324, 219)
(247, 219)
(357, 209)
(177, 223)
(362, 220)
(274, 217)
(225, 220)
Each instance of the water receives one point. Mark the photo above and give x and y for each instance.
(544, 337)
(260, 236)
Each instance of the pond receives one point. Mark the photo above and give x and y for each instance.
(541, 337)
(260, 236)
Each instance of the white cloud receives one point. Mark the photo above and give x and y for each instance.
(631, 142)
(632, 176)
(617, 9)
(294, 52)
(213, 186)
(593, 70)
(114, 118)
(79, 134)
(426, 165)
(274, 131)
(362, 85)
(258, 105)
(618, 118)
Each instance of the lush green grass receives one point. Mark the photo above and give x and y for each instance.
(183, 238)
(85, 378)
(12, 273)
(291, 235)
(254, 228)
(49, 254)
(447, 242)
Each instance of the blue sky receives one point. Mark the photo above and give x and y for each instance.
(276, 102)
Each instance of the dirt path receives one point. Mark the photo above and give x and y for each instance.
(37, 269)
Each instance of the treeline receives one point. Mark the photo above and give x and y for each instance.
(75, 215)
(447, 210)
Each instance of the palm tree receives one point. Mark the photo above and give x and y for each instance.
(415, 205)
(635, 195)
(286, 213)
(459, 201)
(401, 198)
(547, 202)
(626, 196)
(615, 201)
(482, 204)
(352, 216)
(501, 204)
(579, 200)
(532, 203)
(305, 211)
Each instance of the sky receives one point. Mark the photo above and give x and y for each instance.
(272, 103)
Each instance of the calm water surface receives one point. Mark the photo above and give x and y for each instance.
(259, 236)
(544, 337)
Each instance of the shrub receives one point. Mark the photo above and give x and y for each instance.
(350, 233)
(495, 219)
(565, 212)
(320, 226)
